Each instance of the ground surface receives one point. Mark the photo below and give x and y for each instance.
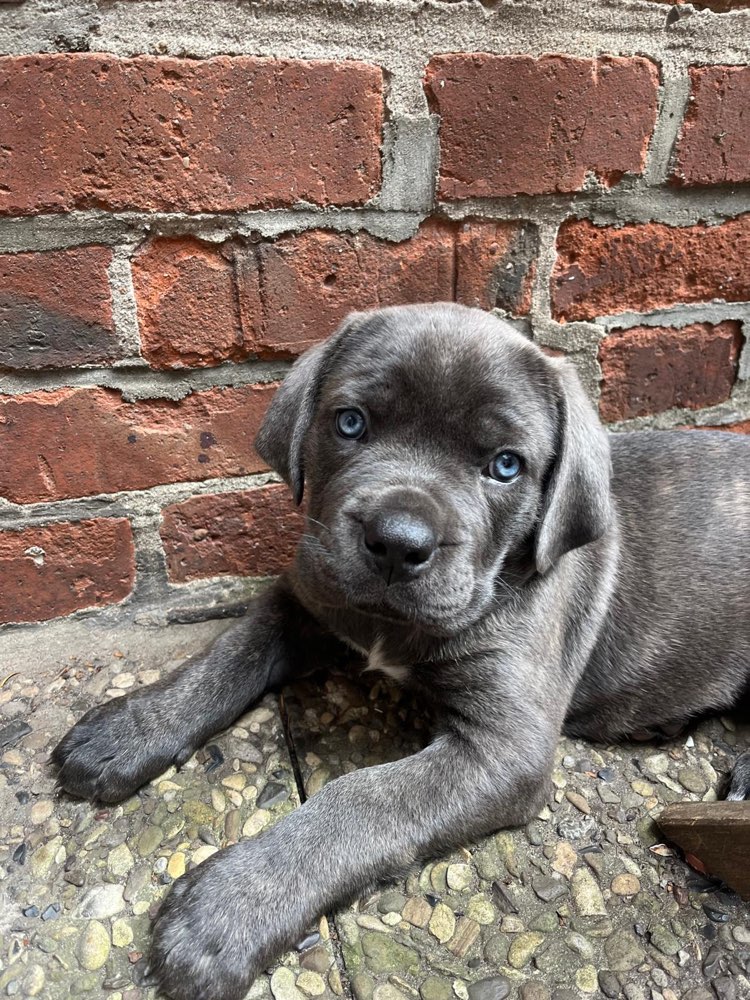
(583, 902)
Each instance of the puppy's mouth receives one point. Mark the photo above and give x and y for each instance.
(344, 580)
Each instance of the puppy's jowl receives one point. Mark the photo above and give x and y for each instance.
(473, 531)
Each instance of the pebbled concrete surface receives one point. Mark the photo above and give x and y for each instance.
(80, 883)
(583, 902)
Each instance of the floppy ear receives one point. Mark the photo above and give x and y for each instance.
(281, 438)
(576, 508)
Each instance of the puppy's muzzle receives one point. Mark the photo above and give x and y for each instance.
(401, 544)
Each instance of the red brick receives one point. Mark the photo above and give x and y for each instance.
(293, 291)
(310, 281)
(247, 533)
(188, 311)
(56, 309)
(80, 442)
(164, 134)
(605, 270)
(495, 265)
(55, 569)
(648, 369)
(714, 144)
(519, 125)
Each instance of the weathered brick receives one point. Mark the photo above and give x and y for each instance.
(495, 265)
(56, 309)
(55, 569)
(80, 442)
(244, 533)
(93, 131)
(310, 281)
(293, 291)
(714, 144)
(648, 369)
(188, 311)
(520, 125)
(605, 270)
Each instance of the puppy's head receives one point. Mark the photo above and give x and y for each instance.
(444, 459)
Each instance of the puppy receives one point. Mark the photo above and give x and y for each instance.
(473, 531)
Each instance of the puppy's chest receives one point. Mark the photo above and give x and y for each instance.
(378, 659)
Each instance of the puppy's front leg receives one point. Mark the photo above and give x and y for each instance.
(117, 747)
(225, 921)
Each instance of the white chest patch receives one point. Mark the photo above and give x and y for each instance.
(376, 661)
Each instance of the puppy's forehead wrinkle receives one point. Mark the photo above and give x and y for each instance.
(441, 343)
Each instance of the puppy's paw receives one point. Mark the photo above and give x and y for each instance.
(114, 749)
(222, 924)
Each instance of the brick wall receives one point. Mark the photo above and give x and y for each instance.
(193, 194)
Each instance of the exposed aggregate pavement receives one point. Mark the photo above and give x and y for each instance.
(585, 901)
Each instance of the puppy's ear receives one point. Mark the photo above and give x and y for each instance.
(281, 438)
(576, 506)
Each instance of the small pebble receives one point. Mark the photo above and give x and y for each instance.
(523, 948)
(442, 923)
(643, 788)
(664, 941)
(93, 946)
(311, 983)
(309, 941)
(609, 984)
(494, 988)
(579, 802)
(272, 795)
(587, 894)
(549, 888)
(283, 985)
(693, 780)
(625, 885)
(40, 811)
(176, 865)
(534, 991)
(14, 732)
(586, 979)
(458, 877)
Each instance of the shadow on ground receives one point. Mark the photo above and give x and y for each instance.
(583, 902)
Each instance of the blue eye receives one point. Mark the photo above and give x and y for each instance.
(505, 467)
(350, 424)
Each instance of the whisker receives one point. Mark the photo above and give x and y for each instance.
(312, 538)
(323, 526)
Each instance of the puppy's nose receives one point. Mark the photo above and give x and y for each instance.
(401, 544)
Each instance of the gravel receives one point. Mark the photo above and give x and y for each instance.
(80, 883)
(584, 902)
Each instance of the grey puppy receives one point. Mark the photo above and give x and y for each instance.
(473, 531)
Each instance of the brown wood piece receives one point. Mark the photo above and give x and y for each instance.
(718, 834)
